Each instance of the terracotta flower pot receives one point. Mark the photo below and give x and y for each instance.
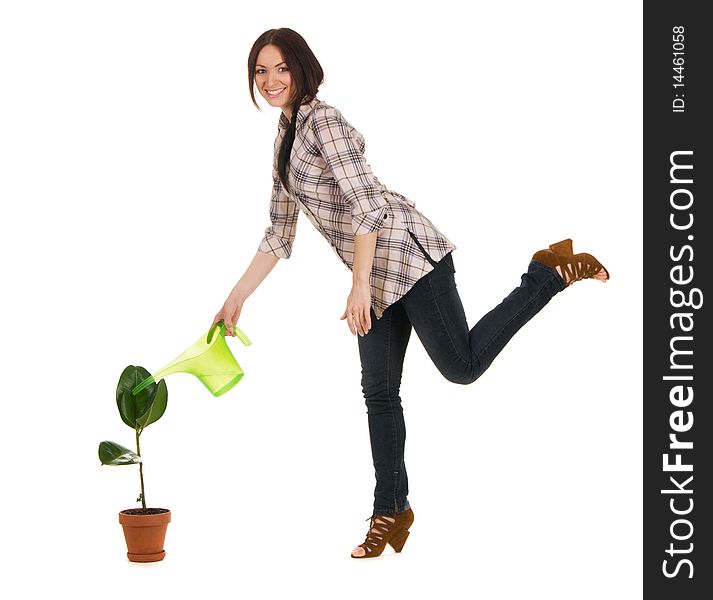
(145, 533)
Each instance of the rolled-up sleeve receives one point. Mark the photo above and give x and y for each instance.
(358, 185)
(284, 211)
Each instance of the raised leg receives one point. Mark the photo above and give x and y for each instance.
(435, 310)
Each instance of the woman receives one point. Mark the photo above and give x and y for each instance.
(402, 268)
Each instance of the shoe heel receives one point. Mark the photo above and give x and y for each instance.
(397, 542)
(563, 247)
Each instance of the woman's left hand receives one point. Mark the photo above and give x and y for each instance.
(358, 308)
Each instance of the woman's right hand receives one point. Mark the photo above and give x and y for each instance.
(229, 314)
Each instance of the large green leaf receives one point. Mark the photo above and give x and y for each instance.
(131, 406)
(157, 406)
(111, 453)
(137, 410)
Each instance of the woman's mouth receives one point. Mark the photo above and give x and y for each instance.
(275, 93)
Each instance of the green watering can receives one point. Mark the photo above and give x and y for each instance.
(209, 359)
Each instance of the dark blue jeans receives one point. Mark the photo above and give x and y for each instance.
(434, 309)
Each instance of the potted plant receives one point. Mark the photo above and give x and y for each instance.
(144, 528)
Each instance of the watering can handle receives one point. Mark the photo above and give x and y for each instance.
(221, 325)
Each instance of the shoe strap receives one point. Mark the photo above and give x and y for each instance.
(377, 531)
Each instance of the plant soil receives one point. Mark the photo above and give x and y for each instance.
(142, 511)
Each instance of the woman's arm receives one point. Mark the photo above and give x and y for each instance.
(361, 191)
(357, 184)
(358, 308)
(254, 275)
(364, 248)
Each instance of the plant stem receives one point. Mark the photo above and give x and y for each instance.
(141, 471)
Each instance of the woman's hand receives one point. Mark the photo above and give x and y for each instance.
(358, 307)
(230, 313)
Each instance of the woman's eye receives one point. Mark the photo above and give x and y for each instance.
(261, 71)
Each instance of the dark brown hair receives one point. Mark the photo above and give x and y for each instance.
(307, 76)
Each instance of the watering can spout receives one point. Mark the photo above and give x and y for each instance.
(209, 359)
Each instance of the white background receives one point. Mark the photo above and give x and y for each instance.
(135, 178)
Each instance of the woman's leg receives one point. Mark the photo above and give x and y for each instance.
(461, 354)
(382, 352)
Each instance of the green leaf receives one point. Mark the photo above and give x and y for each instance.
(111, 453)
(156, 407)
(131, 407)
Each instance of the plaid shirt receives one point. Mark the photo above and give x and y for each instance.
(331, 182)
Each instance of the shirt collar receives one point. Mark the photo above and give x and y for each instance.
(302, 113)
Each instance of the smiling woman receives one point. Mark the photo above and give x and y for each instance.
(401, 263)
(272, 78)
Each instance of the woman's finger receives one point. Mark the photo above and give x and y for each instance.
(221, 316)
(359, 324)
(366, 319)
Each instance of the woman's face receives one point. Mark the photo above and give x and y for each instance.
(273, 79)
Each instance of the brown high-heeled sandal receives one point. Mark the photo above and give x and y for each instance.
(383, 530)
(572, 267)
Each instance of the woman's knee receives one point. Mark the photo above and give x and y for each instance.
(466, 379)
(464, 374)
(379, 396)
